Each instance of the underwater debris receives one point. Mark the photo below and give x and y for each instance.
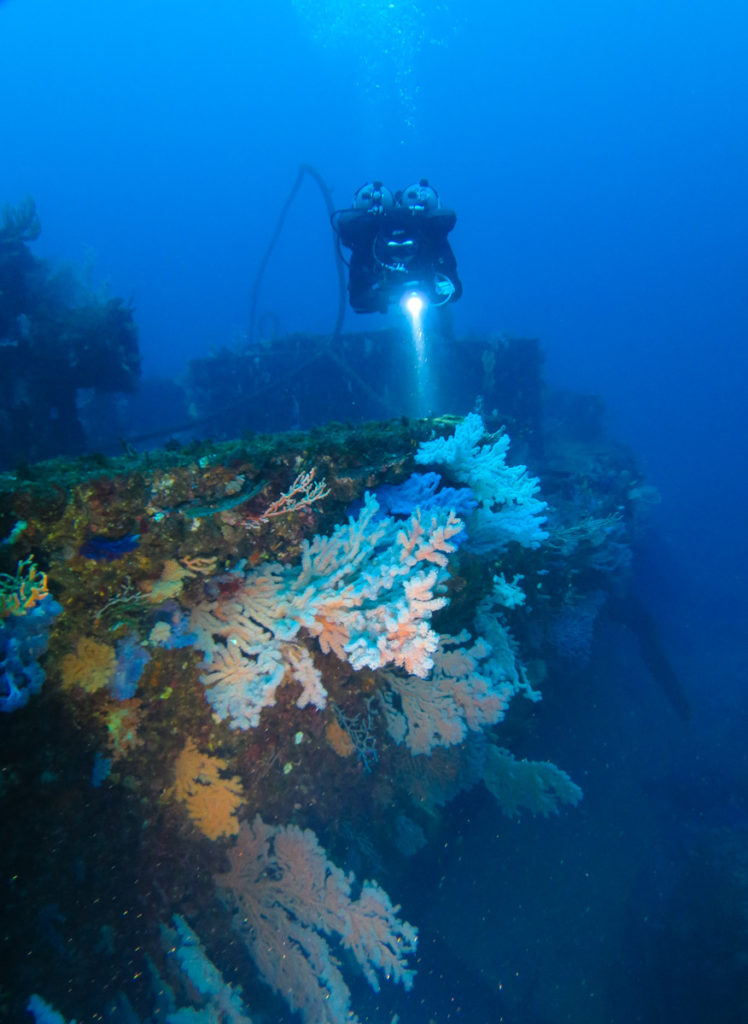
(58, 338)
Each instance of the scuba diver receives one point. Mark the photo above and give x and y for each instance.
(398, 246)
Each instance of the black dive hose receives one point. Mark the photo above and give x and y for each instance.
(329, 349)
(304, 169)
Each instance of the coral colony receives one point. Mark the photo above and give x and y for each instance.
(265, 655)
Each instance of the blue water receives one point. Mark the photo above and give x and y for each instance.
(597, 157)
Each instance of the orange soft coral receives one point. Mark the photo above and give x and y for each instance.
(212, 801)
(91, 665)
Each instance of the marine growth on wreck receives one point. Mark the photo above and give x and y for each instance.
(242, 682)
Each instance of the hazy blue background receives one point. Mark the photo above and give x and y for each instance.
(596, 154)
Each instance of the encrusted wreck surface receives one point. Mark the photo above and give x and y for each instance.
(241, 633)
